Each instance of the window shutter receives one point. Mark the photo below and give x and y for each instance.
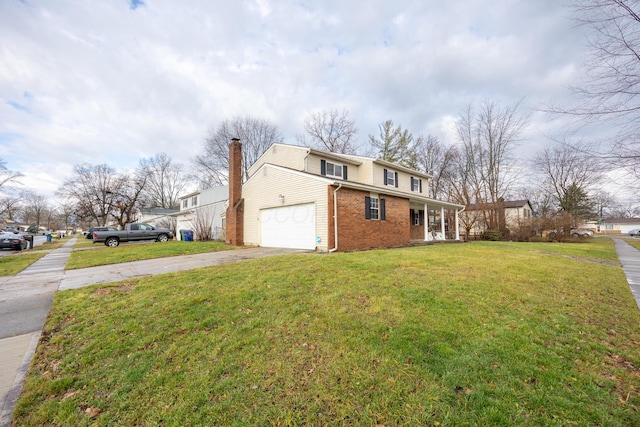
(421, 185)
(383, 211)
(344, 173)
(367, 207)
(323, 167)
(411, 214)
(412, 183)
(396, 179)
(421, 216)
(385, 177)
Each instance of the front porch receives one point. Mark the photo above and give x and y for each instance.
(433, 222)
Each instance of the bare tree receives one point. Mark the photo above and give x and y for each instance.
(610, 87)
(568, 176)
(94, 189)
(393, 143)
(127, 197)
(164, 181)
(429, 155)
(331, 130)
(488, 136)
(257, 135)
(36, 207)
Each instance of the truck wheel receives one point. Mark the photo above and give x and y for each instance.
(112, 242)
(162, 238)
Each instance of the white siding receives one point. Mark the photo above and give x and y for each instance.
(283, 155)
(263, 192)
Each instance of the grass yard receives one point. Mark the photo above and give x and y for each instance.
(10, 265)
(99, 254)
(633, 242)
(447, 335)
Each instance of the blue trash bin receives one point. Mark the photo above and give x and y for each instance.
(188, 235)
(48, 237)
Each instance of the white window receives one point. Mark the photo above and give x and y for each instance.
(416, 217)
(416, 185)
(391, 178)
(185, 203)
(374, 208)
(334, 170)
(194, 201)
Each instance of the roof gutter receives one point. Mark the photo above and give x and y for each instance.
(335, 219)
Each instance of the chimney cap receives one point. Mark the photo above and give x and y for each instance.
(235, 139)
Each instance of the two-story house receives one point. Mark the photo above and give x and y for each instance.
(298, 197)
(203, 213)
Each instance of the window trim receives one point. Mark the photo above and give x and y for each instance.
(386, 178)
(380, 209)
(324, 169)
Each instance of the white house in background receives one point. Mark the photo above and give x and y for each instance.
(155, 216)
(203, 212)
(616, 225)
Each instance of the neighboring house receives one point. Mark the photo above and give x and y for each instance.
(203, 213)
(9, 225)
(297, 197)
(156, 216)
(509, 214)
(616, 225)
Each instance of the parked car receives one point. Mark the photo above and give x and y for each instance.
(635, 232)
(581, 232)
(91, 230)
(132, 233)
(15, 241)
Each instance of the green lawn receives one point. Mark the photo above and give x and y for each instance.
(633, 242)
(12, 264)
(88, 254)
(449, 335)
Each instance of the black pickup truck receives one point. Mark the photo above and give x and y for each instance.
(132, 233)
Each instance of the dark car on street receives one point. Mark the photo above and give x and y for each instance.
(15, 241)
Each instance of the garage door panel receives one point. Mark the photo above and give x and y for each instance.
(289, 227)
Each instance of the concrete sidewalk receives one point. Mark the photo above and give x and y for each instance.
(629, 257)
(39, 282)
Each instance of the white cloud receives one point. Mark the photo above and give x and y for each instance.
(111, 84)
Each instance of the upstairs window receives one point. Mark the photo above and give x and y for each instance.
(416, 185)
(185, 203)
(390, 178)
(194, 201)
(333, 170)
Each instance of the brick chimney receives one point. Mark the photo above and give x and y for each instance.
(235, 211)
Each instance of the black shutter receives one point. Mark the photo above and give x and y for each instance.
(396, 179)
(411, 215)
(412, 183)
(344, 172)
(421, 215)
(421, 186)
(385, 177)
(323, 167)
(367, 207)
(383, 211)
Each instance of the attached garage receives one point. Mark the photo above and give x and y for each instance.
(289, 227)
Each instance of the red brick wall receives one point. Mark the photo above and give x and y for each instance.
(417, 231)
(235, 211)
(355, 232)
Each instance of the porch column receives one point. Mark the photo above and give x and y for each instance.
(444, 236)
(457, 225)
(427, 235)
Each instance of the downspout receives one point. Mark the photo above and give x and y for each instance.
(335, 219)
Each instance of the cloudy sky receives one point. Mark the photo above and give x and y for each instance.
(114, 81)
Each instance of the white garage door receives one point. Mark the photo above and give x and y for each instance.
(289, 227)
